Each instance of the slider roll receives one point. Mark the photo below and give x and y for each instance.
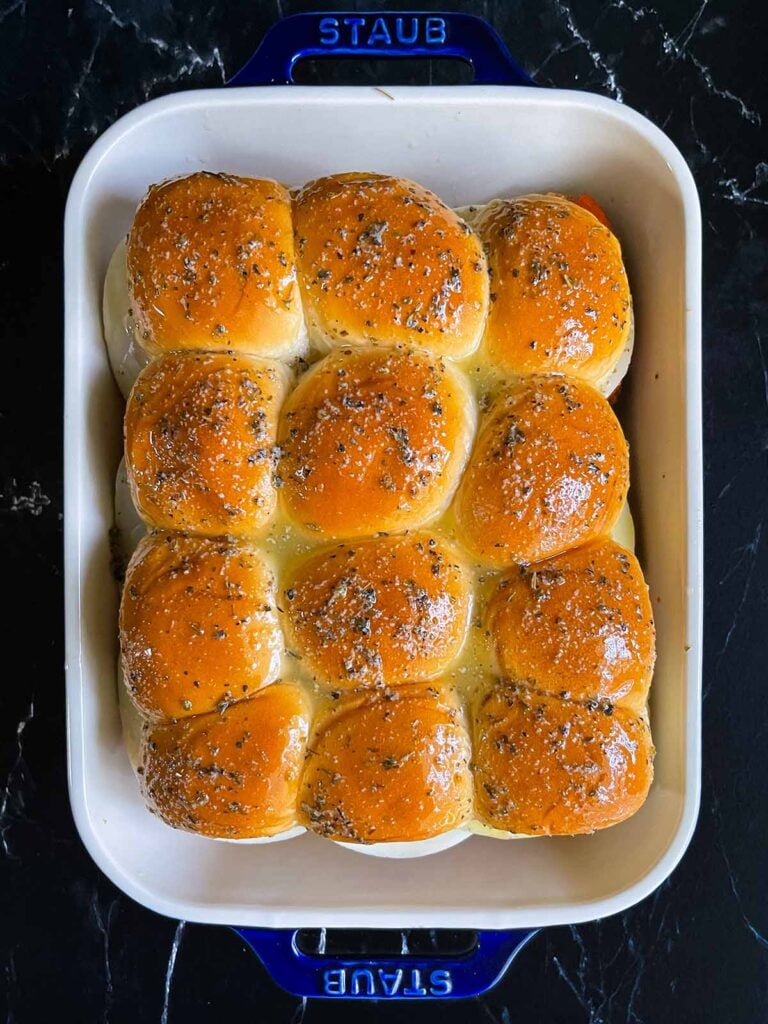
(200, 442)
(198, 626)
(546, 766)
(211, 267)
(388, 767)
(373, 440)
(380, 612)
(232, 774)
(550, 471)
(383, 261)
(560, 300)
(579, 625)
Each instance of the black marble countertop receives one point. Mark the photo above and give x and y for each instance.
(72, 947)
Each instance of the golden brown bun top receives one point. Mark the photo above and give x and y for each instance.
(199, 442)
(383, 261)
(389, 767)
(560, 299)
(231, 774)
(373, 440)
(198, 627)
(211, 266)
(550, 471)
(386, 611)
(579, 625)
(546, 766)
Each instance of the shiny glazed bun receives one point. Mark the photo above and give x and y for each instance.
(546, 766)
(199, 439)
(560, 298)
(579, 625)
(383, 261)
(198, 627)
(386, 611)
(388, 767)
(372, 441)
(211, 266)
(550, 470)
(232, 774)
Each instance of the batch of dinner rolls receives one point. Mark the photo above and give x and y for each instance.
(385, 588)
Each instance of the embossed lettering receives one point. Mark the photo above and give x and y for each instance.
(415, 988)
(409, 37)
(354, 25)
(329, 31)
(379, 33)
(383, 31)
(390, 982)
(363, 982)
(334, 982)
(358, 977)
(435, 31)
(440, 983)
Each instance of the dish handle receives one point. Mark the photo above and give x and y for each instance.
(320, 976)
(368, 34)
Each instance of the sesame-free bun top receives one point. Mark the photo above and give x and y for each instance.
(211, 267)
(199, 442)
(579, 625)
(560, 298)
(380, 612)
(198, 626)
(383, 261)
(549, 471)
(546, 766)
(231, 774)
(373, 440)
(388, 767)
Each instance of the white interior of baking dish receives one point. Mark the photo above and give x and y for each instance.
(468, 144)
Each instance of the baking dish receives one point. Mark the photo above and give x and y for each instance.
(468, 143)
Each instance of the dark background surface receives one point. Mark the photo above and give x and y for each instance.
(72, 947)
